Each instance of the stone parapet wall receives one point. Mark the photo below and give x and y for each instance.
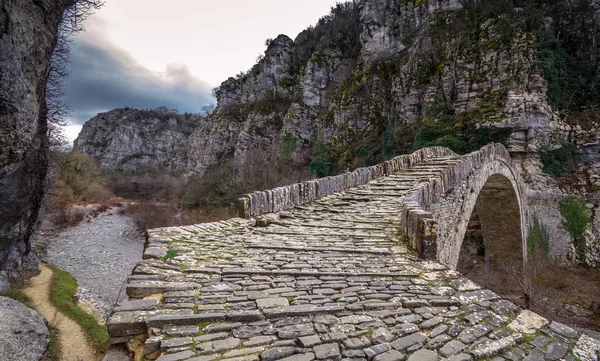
(282, 198)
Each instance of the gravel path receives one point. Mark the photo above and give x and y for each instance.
(100, 254)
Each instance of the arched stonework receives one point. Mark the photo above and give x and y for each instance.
(437, 212)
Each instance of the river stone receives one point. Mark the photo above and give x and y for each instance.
(23, 332)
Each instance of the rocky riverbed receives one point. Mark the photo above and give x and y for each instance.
(100, 253)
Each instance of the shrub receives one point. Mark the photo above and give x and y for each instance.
(320, 165)
(576, 220)
(66, 217)
(557, 161)
(77, 179)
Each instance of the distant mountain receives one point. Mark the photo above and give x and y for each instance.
(132, 140)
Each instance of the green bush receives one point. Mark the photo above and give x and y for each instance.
(322, 168)
(576, 220)
(321, 164)
(557, 161)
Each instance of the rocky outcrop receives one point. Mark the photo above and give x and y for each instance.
(23, 332)
(133, 140)
(28, 35)
(363, 80)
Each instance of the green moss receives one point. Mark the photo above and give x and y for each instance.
(170, 255)
(62, 296)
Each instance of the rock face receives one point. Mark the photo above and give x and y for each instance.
(361, 92)
(23, 332)
(130, 140)
(28, 35)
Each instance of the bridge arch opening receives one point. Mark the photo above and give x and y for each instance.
(492, 251)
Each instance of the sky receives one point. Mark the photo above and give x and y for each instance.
(151, 53)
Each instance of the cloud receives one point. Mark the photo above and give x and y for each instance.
(104, 77)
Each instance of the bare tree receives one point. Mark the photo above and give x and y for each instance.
(71, 24)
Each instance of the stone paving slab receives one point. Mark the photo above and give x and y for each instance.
(327, 280)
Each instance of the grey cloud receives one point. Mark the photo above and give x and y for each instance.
(104, 77)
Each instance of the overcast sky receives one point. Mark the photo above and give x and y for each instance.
(151, 53)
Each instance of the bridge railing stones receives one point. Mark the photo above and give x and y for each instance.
(282, 198)
(418, 221)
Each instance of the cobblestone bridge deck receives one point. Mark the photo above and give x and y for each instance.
(327, 280)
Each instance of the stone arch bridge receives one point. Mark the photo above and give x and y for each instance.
(358, 266)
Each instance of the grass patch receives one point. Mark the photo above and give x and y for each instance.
(62, 292)
(53, 352)
(16, 294)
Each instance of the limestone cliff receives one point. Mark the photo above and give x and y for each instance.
(370, 79)
(133, 140)
(28, 35)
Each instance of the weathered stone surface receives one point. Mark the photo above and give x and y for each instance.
(183, 355)
(327, 351)
(563, 329)
(294, 331)
(528, 322)
(587, 348)
(308, 356)
(277, 353)
(423, 355)
(184, 320)
(407, 341)
(23, 332)
(137, 305)
(556, 350)
(391, 355)
(373, 351)
(29, 35)
(226, 344)
(451, 348)
(272, 302)
(494, 347)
